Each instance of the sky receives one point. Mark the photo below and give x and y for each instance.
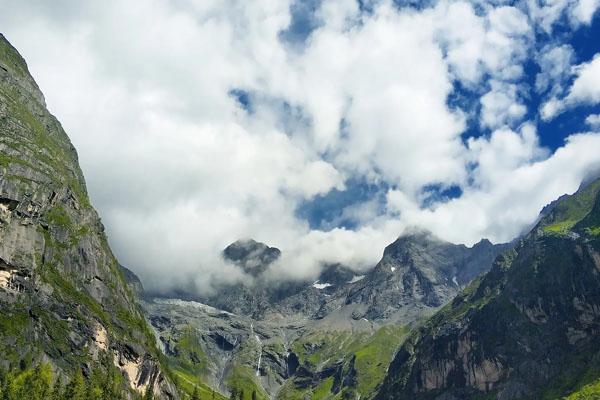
(324, 128)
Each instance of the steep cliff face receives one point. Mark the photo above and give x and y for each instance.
(62, 293)
(527, 329)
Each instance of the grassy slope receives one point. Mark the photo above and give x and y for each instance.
(570, 210)
(588, 392)
(369, 353)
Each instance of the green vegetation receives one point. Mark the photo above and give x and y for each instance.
(242, 380)
(570, 210)
(595, 231)
(588, 392)
(12, 59)
(324, 389)
(364, 354)
(38, 142)
(58, 216)
(189, 384)
(189, 367)
(103, 382)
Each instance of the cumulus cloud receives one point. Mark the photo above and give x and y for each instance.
(198, 123)
(593, 121)
(585, 89)
(584, 10)
(501, 106)
(555, 68)
(548, 14)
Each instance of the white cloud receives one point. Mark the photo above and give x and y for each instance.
(178, 169)
(584, 10)
(501, 106)
(547, 14)
(593, 121)
(555, 65)
(511, 190)
(585, 89)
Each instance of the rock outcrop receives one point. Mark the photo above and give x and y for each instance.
(62, 293)
(527, 329)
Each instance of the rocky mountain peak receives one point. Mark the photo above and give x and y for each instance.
(252, 256)
(336, 275)
(526, 329)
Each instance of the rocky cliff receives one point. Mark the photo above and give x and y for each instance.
(528, 329)
(62, 293)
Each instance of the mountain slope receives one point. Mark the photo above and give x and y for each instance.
(527, 329)
(62, 293)
(417, 274)
(332, 337)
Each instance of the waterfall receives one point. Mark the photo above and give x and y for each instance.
(259, 349)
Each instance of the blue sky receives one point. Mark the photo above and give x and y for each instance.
(328, 210)
(326, 128)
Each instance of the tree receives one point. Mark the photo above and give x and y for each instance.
(196, 394)
(57, 390)
(37, 383)
(254, 395)
(234, 394)
(76, 388)
(242, 394)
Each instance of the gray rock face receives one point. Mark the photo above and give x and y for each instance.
(222, 346)
(279, 323)
(133, 281)
(253, 257)
(528, 329)
(61, 289)
(418, 273)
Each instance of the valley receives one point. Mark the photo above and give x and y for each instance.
(432, 320)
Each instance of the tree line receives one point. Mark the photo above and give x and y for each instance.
(40, 383)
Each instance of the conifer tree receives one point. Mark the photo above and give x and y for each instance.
(57, 390)
(76, 389)
(37, 383)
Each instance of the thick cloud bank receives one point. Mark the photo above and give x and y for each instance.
(201, 122)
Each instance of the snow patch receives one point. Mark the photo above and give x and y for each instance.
(392, 269)
(357, 278)
(185, 303)
(320, 286)
(455, 280)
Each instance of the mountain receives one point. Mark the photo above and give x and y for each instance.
(528, 329)
(330, 336)
(417, 274)
(253, 257)
(63, 296)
